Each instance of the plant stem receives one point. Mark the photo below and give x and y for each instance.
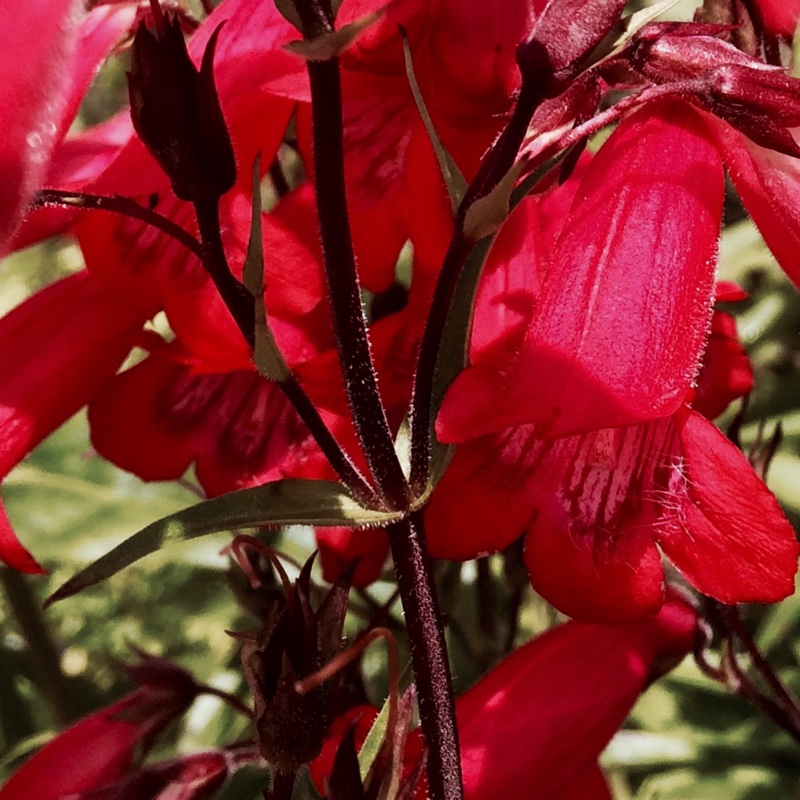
(428, 656)
(125, 206)
(344, 289)
(231, 699)
(406, 538)
(233, 292)
(784, 697)
(282, 786)
(42, 651)
(241, 306)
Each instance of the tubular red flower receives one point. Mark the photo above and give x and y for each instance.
(535, 725)
(99, 749)
(620, 323)
(72, 335)
(34, 93)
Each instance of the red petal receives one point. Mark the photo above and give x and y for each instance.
(157, 417)
(769, 185)
(130, 427)
(779, 16)
(510, 286)
(34, 93)
(541, 718)
(74, 337)
(734, 542)
(71, 335)
(75, 162)
(621, 321)
(589, 785)
(594, 580)
(196, 776)
(339, 547)
(471, 69)
(92, 753)
(484, 501)
(725, 374)
(589, 549)
(12, 553)
(729, 292)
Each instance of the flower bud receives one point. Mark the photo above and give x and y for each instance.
(758, 99)
(564, 34)
(176, 112)
(294, 643)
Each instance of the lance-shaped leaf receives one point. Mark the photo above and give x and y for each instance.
(454, 181)
(286, 502)
(623, 314)
(267, 355)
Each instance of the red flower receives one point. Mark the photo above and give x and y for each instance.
(72, 336)
(99, 749)
(339, 547)
(725, 374)
(606, 465)
(197, 776)
(779, 16)
(41, 88)
(535, 725)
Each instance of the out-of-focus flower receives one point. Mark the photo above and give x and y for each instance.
(100, 749)
(41, 87)
(197, 776)
(725, 374)
(71, 337)
(779, 16)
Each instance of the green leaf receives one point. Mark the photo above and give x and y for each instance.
(454, 181)
(286, 502)
(267, 356)
(739, 783)
(375, 738)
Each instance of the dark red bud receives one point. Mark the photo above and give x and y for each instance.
(758, 99)
(564, 34)
(175, 110)
(290, 647)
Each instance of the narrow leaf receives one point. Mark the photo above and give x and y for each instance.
(267, 356)
(374, 741)
(454, 180)
(286, 502)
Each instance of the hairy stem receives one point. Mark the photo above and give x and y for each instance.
(429, 657)
(241, 306)
(344, 289)
(42, 650)
(407, 538)
(125, 206)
